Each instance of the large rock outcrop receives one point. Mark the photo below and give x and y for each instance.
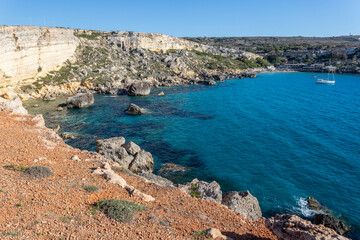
(291, 227)
(244, 203)
(127, 155)
(29, 51)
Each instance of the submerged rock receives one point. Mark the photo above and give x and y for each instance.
(208, 191)
(49, 97)
(80, 100)
(139, 89)
(244, 203)
(134, 109)
(172, 167)
(66, 136)
(291, 227)
(316, 205)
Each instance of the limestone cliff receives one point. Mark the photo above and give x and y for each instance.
(34, 58)
(28, 51)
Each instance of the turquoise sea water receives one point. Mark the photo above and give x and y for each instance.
(280, 136)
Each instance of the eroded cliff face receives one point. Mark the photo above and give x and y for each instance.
(150, 41)
(28, 51)
(161, 42)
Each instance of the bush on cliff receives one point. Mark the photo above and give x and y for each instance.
(39, 172)
(12, 167)
(120, 210)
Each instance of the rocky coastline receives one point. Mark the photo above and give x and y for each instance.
(117, 160)
(118, 63)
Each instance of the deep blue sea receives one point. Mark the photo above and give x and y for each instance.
(280, 136)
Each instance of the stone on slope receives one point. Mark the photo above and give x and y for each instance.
(143, 162)
(244, 203)
(157, 179)
(13, 105)
(139, 89)
(208, 191)
(80, 100)
(134, 109)
(291, 227)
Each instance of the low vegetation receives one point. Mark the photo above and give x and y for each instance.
(91, 188)
(19, 168)
(194, 192)
(201, 234)
(38, 172)
(120, 210)
(91, 36)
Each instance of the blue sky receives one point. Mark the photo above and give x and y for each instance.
(192, 18)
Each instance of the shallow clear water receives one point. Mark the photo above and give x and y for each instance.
(280, 136)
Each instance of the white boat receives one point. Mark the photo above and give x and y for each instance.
(325, 81)
(328, 80)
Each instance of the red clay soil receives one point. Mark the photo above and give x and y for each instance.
(58, 207)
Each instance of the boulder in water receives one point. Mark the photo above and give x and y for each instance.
(134, 109)
(80, 100)
(139, 89)
(325, 217)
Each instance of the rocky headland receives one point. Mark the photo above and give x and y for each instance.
(46, 62)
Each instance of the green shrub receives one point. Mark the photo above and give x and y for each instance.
(39, 172)
(65, 219)
(19, 168)
(91, 188)
(123, 170)
(39, 69)
(91, 36)
(194, 192)
(201, 234)
(120, 210)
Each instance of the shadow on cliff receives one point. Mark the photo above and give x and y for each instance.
(247, 236)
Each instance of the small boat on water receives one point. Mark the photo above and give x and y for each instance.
(328, 80)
